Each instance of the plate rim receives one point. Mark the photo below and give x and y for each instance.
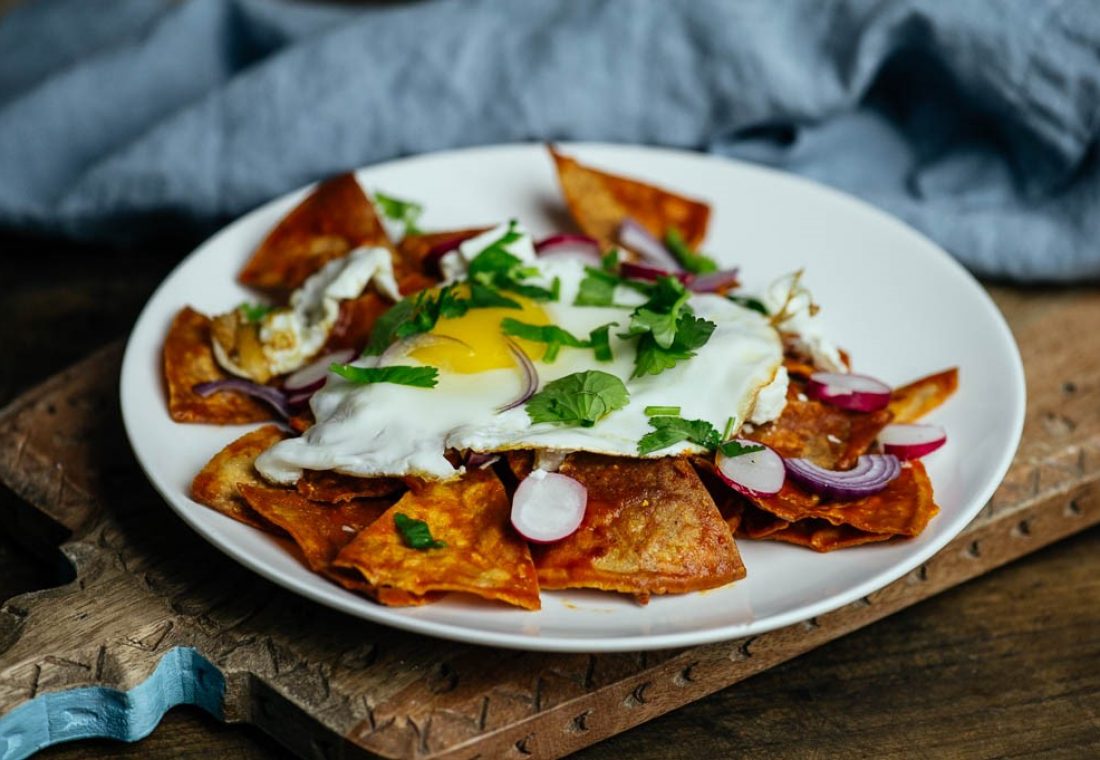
(364, 609)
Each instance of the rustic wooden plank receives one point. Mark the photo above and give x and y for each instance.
(311, 677)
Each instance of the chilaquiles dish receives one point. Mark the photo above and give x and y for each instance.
(477, 411)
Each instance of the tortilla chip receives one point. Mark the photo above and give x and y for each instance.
(335, 218)
(599, 202)
(827, 435)
(731, 505)
(482, 555)
(334, 487)
(911, 402)
(650, 528)
(903, 508)
(321, 531)
(823, 537)
(189, 360)
(216, 484)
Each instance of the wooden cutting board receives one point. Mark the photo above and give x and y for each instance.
(154, 617)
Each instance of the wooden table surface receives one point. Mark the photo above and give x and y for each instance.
(1006, 665)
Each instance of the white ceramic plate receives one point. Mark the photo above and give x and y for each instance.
(897, 302)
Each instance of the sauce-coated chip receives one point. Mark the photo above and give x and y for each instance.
(911, 402)
(335, 218)
(599, 202)
(481, 553)
(650, 528)
(188, 361)
(903, 508)
(216, 484)
(329, 486)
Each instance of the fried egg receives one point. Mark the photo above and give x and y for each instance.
(390, 429)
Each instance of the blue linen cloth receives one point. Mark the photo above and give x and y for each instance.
(974, 121)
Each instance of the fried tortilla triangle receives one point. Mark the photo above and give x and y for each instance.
(600, 202)
(650, 528)
(333, 219)
(216, 485)
(481, 553)
(188, 361)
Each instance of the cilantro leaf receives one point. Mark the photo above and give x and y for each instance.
(583, 398)
(691, 333)
(600, 340)
(736, 449)
(596, 289)
(406, 212)
(609, 262)
(671, 430)
(415, 533)
(485, 297)
(254, 312)
(553, 336)
(749, 303)
(385, 327)
(400, 374)
(496, 267)
(692, 261)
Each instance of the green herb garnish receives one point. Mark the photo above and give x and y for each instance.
(496, 267)
(666, 330)
(406, 212)
(415, 533)
(400, 374)
(749, 303)
(596, 289)
(555, 337)
(661, 411)
(669, 430)
(583, 398)
(693, 261)
(254, 312)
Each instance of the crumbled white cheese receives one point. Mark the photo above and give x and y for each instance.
(788, 299)
(771, 399)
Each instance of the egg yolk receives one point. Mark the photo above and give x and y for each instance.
(483, 346)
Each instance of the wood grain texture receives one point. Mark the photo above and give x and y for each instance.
(328, 685)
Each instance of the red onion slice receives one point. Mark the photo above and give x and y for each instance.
(637, 238)
(910, 441)
(313, 375)
(713, 282)
(758, 473)
(635, 271)
(530, 377)
(568, 244)
(272, 396)
(299, 400)
(548, 506)
(857, 393)
(871, 474)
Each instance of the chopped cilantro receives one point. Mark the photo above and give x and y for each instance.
(400, 374)
(669, 430)
(609, 262)
(555, 337)
(406, 212)
(484, 297)
(749, 303)
(691, 333)
(495, 267)
(692, 261)
(736, 448)
(254, 312)
(596, 289)
(583, 398)
(415, 533)
(661, 411)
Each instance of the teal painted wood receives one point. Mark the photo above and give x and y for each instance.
(182, 676)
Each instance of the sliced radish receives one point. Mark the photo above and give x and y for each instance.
(872, 473)
(567, 244)
(548, 506)
(857, 393)
(909, 441)
(312, 376)
(758, 473)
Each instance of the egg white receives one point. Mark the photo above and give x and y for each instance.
(390, 429)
